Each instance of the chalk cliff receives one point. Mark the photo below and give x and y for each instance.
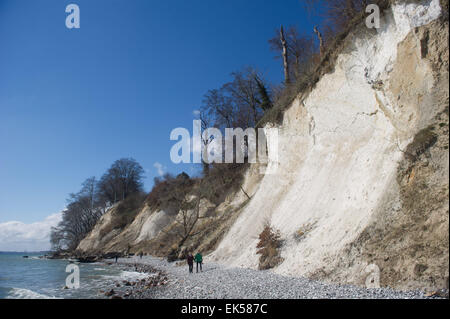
(362, 175)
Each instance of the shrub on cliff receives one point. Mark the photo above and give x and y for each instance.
(269, 248)
(128, 209)
(168, 189)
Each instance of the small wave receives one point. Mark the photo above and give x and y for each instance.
(129, 276)
(100, 269)
(36, 257)
(22, 293)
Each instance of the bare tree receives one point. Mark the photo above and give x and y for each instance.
(244, 92)
(218, 108)
(188, 204)
(287, 79)
(187, 218)
(239, 103)
(337, 13)
(319, 36)
(300, 49)
(205, 140)
(123, 178)
(84, 208)
(89, 190)
(56, 238)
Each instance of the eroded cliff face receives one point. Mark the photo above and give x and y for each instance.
(363, 170)
(156, 230)
(346, 178)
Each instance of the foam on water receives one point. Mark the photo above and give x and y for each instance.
(22, 293)
(40, 278)
(128, 276)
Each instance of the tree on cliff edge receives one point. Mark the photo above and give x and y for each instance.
(122, 179)
(84, 209)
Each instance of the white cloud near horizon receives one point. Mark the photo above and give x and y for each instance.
(18, 236)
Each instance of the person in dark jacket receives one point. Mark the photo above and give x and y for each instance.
(190, 261)
(199, 260)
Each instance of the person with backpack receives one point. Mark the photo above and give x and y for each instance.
(199, 260)
(190, 261)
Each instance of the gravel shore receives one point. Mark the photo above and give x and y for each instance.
(170, 281)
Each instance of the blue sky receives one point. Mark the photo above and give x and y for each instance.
(73, 101)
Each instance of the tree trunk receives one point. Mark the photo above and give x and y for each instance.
(285, 56)
(350, 9)
(319, 35)
(205, 168)
(183, 240)
(242, 189)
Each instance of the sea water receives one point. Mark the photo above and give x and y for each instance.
(39, 278)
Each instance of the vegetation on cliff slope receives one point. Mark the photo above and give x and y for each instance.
(245, 101)
(122, 182)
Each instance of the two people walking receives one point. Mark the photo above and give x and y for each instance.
(198, 260)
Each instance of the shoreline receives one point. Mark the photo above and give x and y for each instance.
(128, 289)
(173, 281)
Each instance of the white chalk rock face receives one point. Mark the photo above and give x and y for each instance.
(153, 225)
(339, 150)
